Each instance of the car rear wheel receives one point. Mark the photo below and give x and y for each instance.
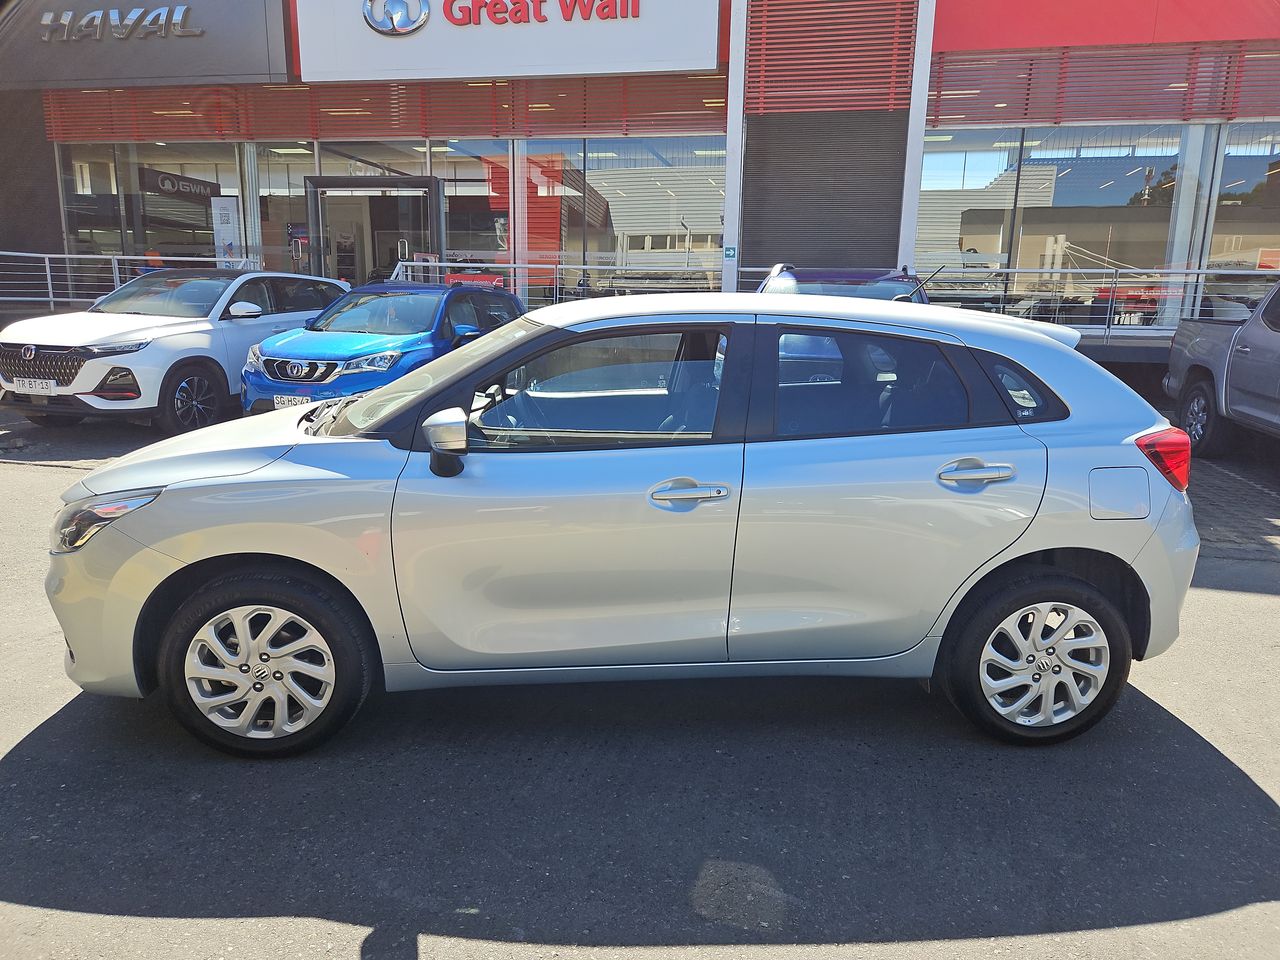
(1198, 415)
(191, 397)
(266, 664)
(53, 421)
(1040, 661)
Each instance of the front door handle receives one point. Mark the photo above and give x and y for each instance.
(1244, 348)
(975, 471)
(670, 493)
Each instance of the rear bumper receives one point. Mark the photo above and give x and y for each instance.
(1166, 565)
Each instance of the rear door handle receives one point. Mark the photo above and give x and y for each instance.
(1244, 348)
(668, 493)
(980, 473)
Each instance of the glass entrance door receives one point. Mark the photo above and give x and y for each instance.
(361, 228)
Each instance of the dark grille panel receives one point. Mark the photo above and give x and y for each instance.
(60, 364)
(317, 371)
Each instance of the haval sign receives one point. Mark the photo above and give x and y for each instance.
(470, 39)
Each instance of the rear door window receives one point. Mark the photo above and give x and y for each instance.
(843, 383)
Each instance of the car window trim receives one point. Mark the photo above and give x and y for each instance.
(731, 412)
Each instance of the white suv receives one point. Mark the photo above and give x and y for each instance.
(167, 346)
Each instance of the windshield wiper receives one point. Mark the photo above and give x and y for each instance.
(327, 412)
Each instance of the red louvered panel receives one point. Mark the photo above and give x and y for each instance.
(810, 55)
(1141, 83)
(346, 111)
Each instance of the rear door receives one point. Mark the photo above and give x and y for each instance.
(1253, 369)
(881, 471)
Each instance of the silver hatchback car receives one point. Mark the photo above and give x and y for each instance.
(667, 486)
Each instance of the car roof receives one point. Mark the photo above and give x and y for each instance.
(838, 275)
(961, 324)
(409, 286)
(226, 273)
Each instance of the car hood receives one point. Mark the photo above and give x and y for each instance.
(324, 345)
(84, 328)
(223, 450)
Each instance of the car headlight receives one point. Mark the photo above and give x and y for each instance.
(377, 363)
(254, 363)
(110, 349)
(78, 522)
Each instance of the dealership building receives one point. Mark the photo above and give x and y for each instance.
(1113, 165)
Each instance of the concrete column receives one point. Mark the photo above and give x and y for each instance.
(915, 133)
(735, 144)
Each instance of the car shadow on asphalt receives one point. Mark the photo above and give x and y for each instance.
(686, 813)
(84, 444)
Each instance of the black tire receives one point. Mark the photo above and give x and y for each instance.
(192, 395)
(1210, 432)
(964, 652)
(53, 421)
(336, 617)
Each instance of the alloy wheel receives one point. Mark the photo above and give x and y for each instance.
(194, 402)
(1195, 418)
(1044, 664)
(259, 672)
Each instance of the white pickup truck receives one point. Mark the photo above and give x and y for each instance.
(1224, 369)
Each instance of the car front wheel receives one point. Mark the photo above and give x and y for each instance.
(1040, 661)
(265, 663)
(190, 397)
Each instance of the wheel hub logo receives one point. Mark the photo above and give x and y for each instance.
(396, 19)
(29, 352)
(261, 673)
(1044, 664)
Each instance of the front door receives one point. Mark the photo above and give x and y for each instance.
(879, 486)
(1253, 374)
(593, 522)
(364, 227)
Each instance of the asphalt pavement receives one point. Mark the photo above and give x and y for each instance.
(737, 819)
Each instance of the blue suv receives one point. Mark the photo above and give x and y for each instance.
(367, 338)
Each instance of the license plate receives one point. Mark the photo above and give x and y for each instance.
(282, 402)
(42, 388)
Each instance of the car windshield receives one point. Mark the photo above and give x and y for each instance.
(164, 295)
(872, 289)
(382, 404)
(394, 314)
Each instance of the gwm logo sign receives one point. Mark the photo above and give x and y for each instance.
(396, 18)
(118, 24)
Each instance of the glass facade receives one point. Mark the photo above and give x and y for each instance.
(1102, 223)
(146, 199)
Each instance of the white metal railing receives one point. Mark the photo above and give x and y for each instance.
(55, 279)
(1104, 301)
(542, 284)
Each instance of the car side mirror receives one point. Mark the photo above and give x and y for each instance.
(244, 310)
(310, 322)
(902, 298)
(464, 332)
(447, 436)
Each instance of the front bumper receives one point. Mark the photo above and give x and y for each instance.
(258, 391)
(69, 405)
(97, 594)
(1166, 565)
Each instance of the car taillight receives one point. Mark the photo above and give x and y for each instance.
(1170, 452)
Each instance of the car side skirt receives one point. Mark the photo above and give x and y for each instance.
(915, 663)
